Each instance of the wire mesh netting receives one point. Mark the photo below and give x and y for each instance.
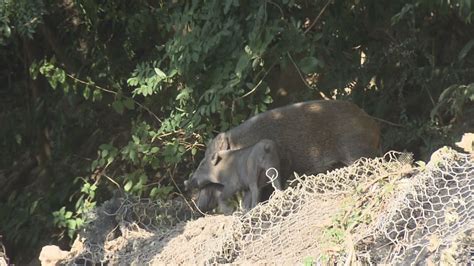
(377, 211)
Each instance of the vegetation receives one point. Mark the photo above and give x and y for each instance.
(106, 97)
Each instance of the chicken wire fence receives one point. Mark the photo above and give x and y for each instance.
(385, 210)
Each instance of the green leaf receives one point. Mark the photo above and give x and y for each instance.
(155, 163)
(106, 146)
(465, 50)
(407, 9)
(68, 215)
(136, 139)
(94, 165)
(86, 93)
(85, 188)
(65, 87)
(172, 73)
(161, 75)
(227, 6)
(110, 160)
(18, 139)
(53, 82)
(128, 186)
(79, 222)
(129, 103)
(102, 162)
(309, 64)
(118, 106)
(71, 224)
(133, 156)
(96, 95)
(60, 75)
(34, 70)
(143, 179)
(33, 206)
(154, 191)
(268, 99)
(308, 261)
(132, 81)
(242, 64)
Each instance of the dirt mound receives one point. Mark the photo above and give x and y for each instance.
(383, 210)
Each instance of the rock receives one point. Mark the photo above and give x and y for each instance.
(51, 255)
(3, 262)
(467, 142)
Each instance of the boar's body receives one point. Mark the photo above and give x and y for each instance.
(312, 136)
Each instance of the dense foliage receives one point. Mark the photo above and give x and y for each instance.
(106, 97)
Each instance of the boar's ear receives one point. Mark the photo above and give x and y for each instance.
(266, 147)
(216, 158)
(221, 142)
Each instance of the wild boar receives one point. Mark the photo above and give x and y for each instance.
(239, 170)
(311, 137)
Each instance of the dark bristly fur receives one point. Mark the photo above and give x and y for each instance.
(240, 170)
(311, 137)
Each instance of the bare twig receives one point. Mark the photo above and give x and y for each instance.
(387, 122)
(111, 180)
(180, 193)
(258, 83)
(249, 92)
(303, 79)
(279, 8)
(318, 17)
(429, 95)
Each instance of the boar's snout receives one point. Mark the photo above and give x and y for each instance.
(187, 184)
(191, 183)
(200, 177)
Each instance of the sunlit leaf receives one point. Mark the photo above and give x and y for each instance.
(128, 186)
(160, 73)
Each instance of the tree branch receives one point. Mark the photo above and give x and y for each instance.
(318, 17)
(115, 93)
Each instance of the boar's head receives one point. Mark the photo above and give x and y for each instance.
(206, 172)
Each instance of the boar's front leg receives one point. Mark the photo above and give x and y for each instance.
(255, 194)
(224, 207)
(222, 195)
(247, 200)
(212, 196)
